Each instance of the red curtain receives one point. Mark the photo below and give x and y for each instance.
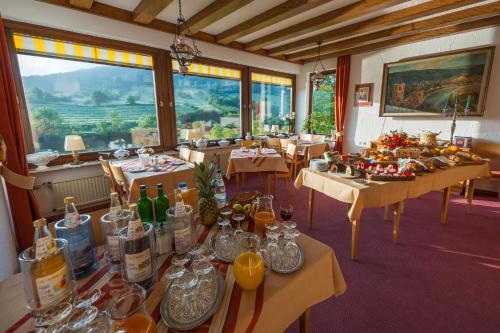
(341, 89)
(23, 203)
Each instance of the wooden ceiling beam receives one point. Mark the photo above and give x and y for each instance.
(272, 16)
(85, 4)
(431, 34)
(147, 10)
(397, 17)
(125, 16)
(466, 15)
(333, 17)
(213, 13)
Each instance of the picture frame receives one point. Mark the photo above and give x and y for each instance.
(428, 86)
(363, 94)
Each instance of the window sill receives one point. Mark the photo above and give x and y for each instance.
(61, 167)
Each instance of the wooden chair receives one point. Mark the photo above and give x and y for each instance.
(196, 156)
(284, 145)
(491, 151)
(274, 143)
(112, 184)
(121, 180)
(184, 153)
(295, 161)
(318, 138)
(248, 143)
(315, 151)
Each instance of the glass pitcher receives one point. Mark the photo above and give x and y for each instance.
(252, 262)
(263, 212)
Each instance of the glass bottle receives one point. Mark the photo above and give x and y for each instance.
(51, 276)
(184, 192)
(220, 190)
(145, 205)
(111, 224)
(181, 222)
(161, 204)
(138, 251)
(71, 215)
(179, 202)
(77, 230)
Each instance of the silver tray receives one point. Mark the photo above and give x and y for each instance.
(171, 323)
(295, 268)
(211, 246)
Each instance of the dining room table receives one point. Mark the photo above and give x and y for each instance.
(171, 171)
(268, 309)
(372, 194)
(267, 161)
(311, 149)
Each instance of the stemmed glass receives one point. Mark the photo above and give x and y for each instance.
(286, 212)
(239, 218)
(187, 305)
(291, 249)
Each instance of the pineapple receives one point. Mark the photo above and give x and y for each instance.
(209, 211)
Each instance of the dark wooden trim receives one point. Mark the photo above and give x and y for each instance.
(309, 107)
(122, 15)
(146, 11)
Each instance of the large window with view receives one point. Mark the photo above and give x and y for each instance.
(207, 102)
(106, 96)
(321, 117)
(271, 102)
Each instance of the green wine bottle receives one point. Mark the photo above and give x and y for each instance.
(161, 204)
(145, 206)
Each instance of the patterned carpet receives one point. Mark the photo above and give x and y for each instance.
(437, 279)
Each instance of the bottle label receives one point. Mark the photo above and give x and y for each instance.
(114, 248)
(44, 246)
(182, 238)
(135, 229)
(72, 219)
(163, 243)
(53, 287)
(138, 266)
(80, 251)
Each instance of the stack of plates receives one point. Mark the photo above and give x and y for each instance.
(319, 165)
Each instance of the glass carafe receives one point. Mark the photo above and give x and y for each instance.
(127, 312)
(252, 262)
(263, 212)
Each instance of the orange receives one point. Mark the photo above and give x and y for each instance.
(453, 149)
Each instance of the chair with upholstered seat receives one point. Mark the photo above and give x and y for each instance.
(121, 180)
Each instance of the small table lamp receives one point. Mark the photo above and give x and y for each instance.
(74, 143)
(275, 129)
(191, 135)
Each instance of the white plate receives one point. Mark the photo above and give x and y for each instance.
(136, 169)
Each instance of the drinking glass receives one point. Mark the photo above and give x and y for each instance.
(239, 218)
(110, 229)
(286, 211)
(225, 241)
(290, 249)
(186, 308)
(252, 262)
(127, 311)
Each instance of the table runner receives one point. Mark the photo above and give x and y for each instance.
(242, 161)
(379, 194)
(170, 175)
(240, 311)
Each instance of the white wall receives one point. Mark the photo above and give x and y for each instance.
(364, 124)
(73, 20)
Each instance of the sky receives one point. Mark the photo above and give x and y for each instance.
(31, 65)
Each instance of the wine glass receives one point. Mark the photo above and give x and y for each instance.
(291, 249)
(239, 218)
(286, 212)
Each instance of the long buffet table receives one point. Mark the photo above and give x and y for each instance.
(266, 310)
(382, 194)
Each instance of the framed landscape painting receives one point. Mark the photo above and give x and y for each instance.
(431, 85)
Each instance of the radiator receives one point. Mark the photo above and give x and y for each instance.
(85, 190)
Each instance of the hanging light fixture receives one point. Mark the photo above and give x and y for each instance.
(318, 76)
(181, 50)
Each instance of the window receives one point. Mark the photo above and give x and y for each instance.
(321, 118)
(207, 102)
(104, 95)
(271, 102)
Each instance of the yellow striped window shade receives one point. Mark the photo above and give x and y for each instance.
(271, 79)
(67, 50)
(209, 70)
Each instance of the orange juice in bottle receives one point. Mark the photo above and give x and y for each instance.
(184, 192)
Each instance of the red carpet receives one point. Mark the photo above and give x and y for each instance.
(437, 279)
